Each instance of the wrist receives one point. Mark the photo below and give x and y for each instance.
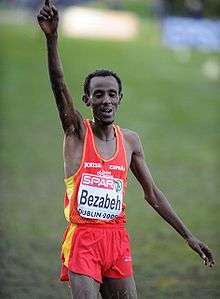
(52, 36)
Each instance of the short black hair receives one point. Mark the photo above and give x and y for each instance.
(101, 73)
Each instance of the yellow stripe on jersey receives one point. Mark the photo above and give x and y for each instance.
(66, 247)
(69, 186)
(69, 190)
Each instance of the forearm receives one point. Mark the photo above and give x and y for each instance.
(61, 93)
(54, 63)
(165, 210)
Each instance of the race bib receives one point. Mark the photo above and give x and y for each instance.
(100, 197)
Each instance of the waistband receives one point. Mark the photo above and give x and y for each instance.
(101, 225)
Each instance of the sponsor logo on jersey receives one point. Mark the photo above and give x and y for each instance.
(118, 185)
(117, 167)
(104, 173)
(92, 165)
(98, 181)
(99, 165)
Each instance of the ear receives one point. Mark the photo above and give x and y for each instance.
(86, 100)
(120, 98)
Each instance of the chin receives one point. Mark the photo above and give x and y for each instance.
(104, 120)
(108, 122)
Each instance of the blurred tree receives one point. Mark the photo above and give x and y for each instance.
(206, 8)
(194, 8)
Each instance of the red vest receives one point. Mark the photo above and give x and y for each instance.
(95, 193)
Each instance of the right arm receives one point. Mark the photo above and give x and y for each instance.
(71, 119)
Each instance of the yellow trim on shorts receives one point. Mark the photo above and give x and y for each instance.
(67, 244)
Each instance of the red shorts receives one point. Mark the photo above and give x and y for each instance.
(97, 250)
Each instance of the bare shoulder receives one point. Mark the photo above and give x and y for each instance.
(131, 138)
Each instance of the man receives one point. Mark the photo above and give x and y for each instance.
(97, 156)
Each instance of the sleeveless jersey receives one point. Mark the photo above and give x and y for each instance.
(95, 193)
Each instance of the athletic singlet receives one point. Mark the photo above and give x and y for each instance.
(95, 193)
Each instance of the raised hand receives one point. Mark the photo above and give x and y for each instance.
(48, 18)
(204, 252)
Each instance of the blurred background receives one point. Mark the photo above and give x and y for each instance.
(167, 54)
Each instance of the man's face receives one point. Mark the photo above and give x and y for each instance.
(104, 98)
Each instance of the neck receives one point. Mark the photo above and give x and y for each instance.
(103, 132)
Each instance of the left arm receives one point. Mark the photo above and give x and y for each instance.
(159, 202)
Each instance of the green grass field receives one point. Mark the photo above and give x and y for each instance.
(175, 110)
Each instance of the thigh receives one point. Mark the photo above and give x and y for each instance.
(83, 287)
(118, 288)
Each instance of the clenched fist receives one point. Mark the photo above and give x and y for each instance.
(48, 18)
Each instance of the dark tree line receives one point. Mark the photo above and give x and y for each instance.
(194, 8)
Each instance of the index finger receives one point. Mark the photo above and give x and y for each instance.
(47, 2)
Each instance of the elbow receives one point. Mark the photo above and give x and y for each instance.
(152, 198)
(153, 201)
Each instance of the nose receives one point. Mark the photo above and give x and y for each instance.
(106, 99)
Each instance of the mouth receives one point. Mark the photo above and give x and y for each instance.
(106, 111)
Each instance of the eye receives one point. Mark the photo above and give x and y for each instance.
(98, 95)
(113, 94)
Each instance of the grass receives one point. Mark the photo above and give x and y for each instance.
(175, 110)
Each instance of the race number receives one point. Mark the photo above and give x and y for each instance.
(100, 197)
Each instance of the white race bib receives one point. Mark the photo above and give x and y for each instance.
(100, 197)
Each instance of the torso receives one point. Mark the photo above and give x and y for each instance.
(95, 175)
(73, 148)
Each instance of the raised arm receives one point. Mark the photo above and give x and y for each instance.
(71, 119)
(159, 202)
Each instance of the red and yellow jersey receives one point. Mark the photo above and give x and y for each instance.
(95, 193)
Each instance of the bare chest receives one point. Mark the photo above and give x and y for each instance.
(73, 152)
(105, 149)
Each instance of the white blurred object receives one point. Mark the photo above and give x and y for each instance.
(211, 69)
(94, 23)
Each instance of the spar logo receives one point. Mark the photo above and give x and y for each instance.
(102, 182)
(98, 181)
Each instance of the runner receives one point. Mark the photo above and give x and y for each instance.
(96, 253)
